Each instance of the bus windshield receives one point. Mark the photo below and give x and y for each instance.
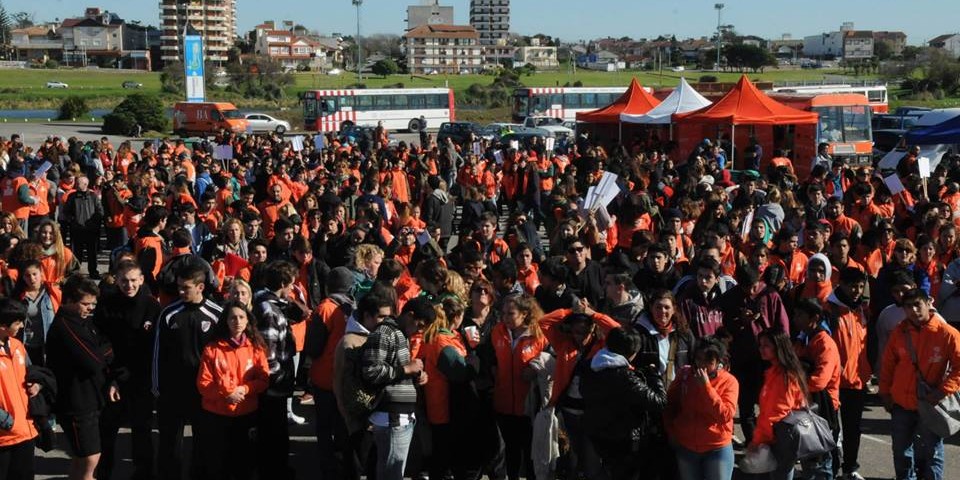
(844, 124)
(309, 107)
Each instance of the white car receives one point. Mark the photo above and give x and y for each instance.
(260, 122)
(335, 71)
(550, 124)
(57, 85)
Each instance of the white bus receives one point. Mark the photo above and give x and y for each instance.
(398, 109)
(562, 102)
(876, 94)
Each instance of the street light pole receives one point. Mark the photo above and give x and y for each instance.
(719, 7)
(358, 3)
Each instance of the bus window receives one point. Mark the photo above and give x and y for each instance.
(364, 103)
(433, 101)
(521, 103)
(856, 123)
(588, 100)
(444, 100)
(571, 100)
(556, 99)
(539, 103)
(328, 105)
(604, 99)
(310, 107)
(345, 102)
(418, 101)
(401, 102)
(831, 123)
(876, 96)
(382, 102)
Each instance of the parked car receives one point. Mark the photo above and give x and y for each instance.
(334, 71)
(550, 124)
(459, 132)
(885, 140)
(57, 85)
(131, 84)
(261, 122)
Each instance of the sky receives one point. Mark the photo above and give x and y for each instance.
(573, 20)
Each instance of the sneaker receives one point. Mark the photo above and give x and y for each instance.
(306, 399)
(294, 419)
(854, 476)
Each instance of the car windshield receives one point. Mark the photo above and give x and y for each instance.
(546, 122)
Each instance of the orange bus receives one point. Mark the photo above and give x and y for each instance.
(844, 124)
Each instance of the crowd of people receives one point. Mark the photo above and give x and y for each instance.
(407, 293)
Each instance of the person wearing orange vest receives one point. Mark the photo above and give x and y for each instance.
(935, 345)
(15, 195)
(786, 252)
(270, 210)
(40, 188)
(517, 341)
(233, 373)
(17, 431)
(148, 244)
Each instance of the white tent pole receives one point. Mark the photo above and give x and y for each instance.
(733, 146)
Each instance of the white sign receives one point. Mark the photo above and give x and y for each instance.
(498, 156)
(924, 164)
(318, 141)
(551, 142)
(223, 152)
(894, 184)
(603, 193)
(297, 143)
(477, 149)
(515, 144)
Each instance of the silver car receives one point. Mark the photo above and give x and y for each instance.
(57, 85)
(261, 122)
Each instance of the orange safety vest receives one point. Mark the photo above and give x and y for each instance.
(9, 197)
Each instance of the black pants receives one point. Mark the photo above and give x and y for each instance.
(116, 237)
(851, 415)
(226, 445)
(337, 457)
(16, 461)
(273, 438)
(85, 243)
(620, 460)
(135, 408)
(174, 412)
(517, 431)
(749, 397)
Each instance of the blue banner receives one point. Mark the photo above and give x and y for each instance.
(193, 66)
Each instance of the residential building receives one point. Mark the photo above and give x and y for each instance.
(541, 57)
(949, 43)
(786, 47)
(214, 20)
(857, 45)
(449, 49)
(829, 44)
(39, 43)
(896, 41)
(293, 51)
(603, 60)
(429, 12)
(491, 18)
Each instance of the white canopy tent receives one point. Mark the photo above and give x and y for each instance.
(683, 99)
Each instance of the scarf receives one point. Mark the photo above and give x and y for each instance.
(819, 290)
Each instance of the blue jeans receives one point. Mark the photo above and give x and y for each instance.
(393, 443)
(818, 468)
(713, 465)
(929, 448)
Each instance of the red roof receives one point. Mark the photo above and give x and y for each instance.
(746, 105)
(635, 101)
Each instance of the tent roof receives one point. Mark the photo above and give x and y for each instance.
(635, 100)
(947, 132)
(682, 99)
(746, 105)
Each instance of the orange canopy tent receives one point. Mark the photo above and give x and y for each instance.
(746, 105)
(635, 101)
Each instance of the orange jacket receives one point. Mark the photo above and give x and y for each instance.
(226, 367)
(13, 394)
(821, 352)
(529, 278)
(566, 351)
(850, 334)
(937, 344)
(331, 315)
(778, 397)
(700, 416)
(270, 213)
(41, 192)
(797, 270)
(9, 197)
(152, 241)
(437, 388)
(48, 265)
(513, 355)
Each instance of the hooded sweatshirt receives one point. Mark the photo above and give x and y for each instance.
(324, 331)
(819, 290)
(849, 326)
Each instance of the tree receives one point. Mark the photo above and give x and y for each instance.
(748, 56)
(73, 107)
(23, 19)
(385, 67)
(140, 108)
(172, 78)
(911, 52)
(4, 28)
(882, 51)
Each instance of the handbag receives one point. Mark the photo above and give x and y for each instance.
(800, 435)
(759, 461)
(943, 418)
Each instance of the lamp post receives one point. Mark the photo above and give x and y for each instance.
(719, 7)
(358, 3)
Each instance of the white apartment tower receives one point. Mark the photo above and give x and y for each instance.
(215, 20)
(491, 18)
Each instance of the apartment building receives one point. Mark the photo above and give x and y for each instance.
(491, 18)
(214, 20)
(444, 49)
(429, 12)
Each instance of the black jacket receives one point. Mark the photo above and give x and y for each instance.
(84, 210)
(649, 353)
(181, 332)
(121, 319)
(439, 209)
(79, 357)
(620, 403)
(588, 283)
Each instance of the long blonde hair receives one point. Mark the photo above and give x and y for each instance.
(14, 225)
(528, 306)
(439, 323)
(365, 254)
(59, 250)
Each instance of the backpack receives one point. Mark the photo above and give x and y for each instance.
(359, 399)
